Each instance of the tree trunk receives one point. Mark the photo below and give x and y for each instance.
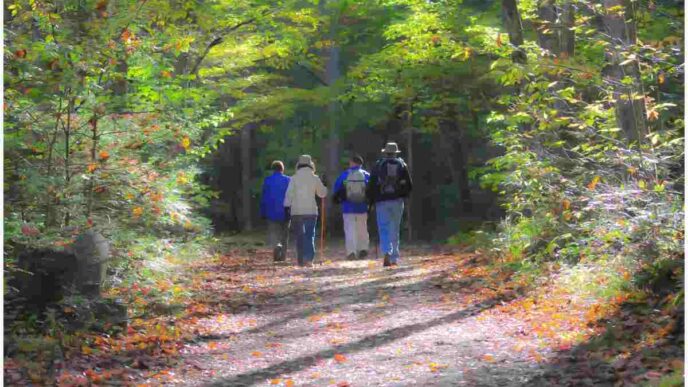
(67, 150)
(92, 176)
(567, 37)
(246, 178)
(332, 74)
(514, 26)
(630, 109)
(548, 29)
(408, 124)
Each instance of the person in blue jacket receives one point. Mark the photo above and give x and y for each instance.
(272, 209)
(350, 191)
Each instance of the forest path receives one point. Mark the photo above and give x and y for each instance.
(346, 323)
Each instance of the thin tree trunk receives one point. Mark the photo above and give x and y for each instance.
(94, 147)
(514, 26)
(50, 215)
(67, 174)
(630, 108)
(246, 178)
(408, 123)
(567, 34)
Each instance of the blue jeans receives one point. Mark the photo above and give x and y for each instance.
(389, 213)
(303, 227)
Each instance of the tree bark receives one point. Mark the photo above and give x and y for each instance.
(630, 105)
(567, 37)
(548, 28)
(246, 178)
(332, 74)
(514, 26)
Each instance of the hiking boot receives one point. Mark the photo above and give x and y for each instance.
(278, 253)
(362, 254)
(387, 262)
(351, 257)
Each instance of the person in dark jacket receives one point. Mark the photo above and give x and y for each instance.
(272, 209)
(390, 182)
(350, 191)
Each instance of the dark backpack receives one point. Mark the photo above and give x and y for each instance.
(390, 173)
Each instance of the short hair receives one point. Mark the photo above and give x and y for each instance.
(277, 166)
(357, 159)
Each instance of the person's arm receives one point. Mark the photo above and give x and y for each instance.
(407, 176)
(320, 188)
(290, 193)
(339, 188)
(372, 183)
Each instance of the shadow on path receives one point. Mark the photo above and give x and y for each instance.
(386, 337)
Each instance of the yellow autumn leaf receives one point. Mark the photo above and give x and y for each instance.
(186, 142)
(256, 354)
(289, 383)
(275, 381)
(566, 204)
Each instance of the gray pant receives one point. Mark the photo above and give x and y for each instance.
(278, 233)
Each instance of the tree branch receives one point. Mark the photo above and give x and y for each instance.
(220, 38)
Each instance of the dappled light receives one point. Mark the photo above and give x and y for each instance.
(344, 193)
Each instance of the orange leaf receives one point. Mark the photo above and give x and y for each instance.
(343, 384)
(652, 115)
(488, 358)
(289, 383)
(594, 182)
(339, 357)
(212, 345)
(566, 203)
(499, 40)
(275, 381)
(104, 155)
(256, 354)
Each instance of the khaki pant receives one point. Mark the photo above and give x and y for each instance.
(278, 232)
(356, 233)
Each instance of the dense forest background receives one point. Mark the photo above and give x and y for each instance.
(537, 131)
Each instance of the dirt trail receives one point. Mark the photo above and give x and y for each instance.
(349, 323)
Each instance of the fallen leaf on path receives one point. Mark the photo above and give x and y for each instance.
(339, 357)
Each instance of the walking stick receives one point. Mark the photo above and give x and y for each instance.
(322, 229)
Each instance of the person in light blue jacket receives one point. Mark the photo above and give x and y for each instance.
(272, 209)
(350, 191)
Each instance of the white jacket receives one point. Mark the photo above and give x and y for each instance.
(301, 192)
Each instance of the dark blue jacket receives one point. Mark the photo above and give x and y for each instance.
(272, 200)
(347, 206)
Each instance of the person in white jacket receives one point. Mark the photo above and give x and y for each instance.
(303, 187)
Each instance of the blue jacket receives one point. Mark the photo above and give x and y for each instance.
(347, 206)
(272, 200)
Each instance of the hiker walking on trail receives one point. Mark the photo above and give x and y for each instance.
(303, 187)
(272, 209)
(389, 184)
(350, 191)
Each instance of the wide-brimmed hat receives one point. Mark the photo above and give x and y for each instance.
(305, 160)
(391, 147)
